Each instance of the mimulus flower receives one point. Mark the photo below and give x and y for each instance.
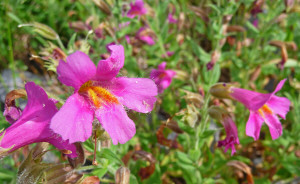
(98, 92)
(231, 134)
(33, 124)
(223, 116)
(146, 35)
(263, 108)
(136, 9)
(162, 77)
(171, 19)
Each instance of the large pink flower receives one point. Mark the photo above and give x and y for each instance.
(136, 9)
(33, 124)
(263, 108)
(162, 77)
(231, 134)
(98, 92)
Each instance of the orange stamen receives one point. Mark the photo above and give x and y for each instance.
(97, 94)
(265, 110)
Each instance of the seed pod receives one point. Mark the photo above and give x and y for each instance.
(122, 175)
(43, 30)
(221, 90)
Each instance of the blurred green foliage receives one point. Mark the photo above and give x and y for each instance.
(201, 24)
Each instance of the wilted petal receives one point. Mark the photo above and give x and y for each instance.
(78, 69)
(231, 135)
(74, 120)
(115, 121)
(253, 125)
(109, 68)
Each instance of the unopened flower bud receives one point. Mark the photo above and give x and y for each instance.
(103, 6)
(217, 112)
(122, 175)
(221, 90)
(11, 112)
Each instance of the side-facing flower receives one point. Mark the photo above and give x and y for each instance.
(263, 108)
(33, 124)
(171, 19)
(231, 134)
(223, 116)
(98, 92)
(146, 35)
(136, 9)
(162, 77)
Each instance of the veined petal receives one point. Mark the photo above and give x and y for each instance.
(78, 69)
(274, 125)
(109, 68)
(74, 120)
(253, 125)
(115, 121)
(279, 105)
(135, 93)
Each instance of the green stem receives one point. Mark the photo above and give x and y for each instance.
(11, 54)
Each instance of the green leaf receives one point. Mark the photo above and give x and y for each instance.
(108, 154)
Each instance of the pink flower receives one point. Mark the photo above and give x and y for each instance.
(162, 77)
(145, 35)
(168, 54)
(98, 92)
(33, 124)
(231, 134)
(136, 9)
(171, 19)
(263, 108)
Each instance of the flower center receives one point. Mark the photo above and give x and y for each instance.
(162, 75)
(265, 110)
(97, 95)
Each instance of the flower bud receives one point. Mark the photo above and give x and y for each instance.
(11, 112)
(221, 90)
(102, 6)
(217, 112)
(122, 175)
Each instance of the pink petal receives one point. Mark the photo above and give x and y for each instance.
(274, 125)
(115, 121)
(74, 120)
(253, 125)
(253, 100)
(63, 145)
(279, 105)
(77, 70)
(147, 39)
(38, 103)
(109, 68)
(136, 93)
(162, 66)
